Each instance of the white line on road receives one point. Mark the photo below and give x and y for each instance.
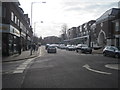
(23, 66)
(113, 66)
(88, 68)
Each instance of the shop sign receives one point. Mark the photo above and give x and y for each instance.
(23, 35)
(5, 28)
(14, 31)
(17, 32)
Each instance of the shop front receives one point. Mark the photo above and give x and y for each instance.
(10, 40)
(23, 41)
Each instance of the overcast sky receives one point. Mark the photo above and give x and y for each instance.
(54, 13)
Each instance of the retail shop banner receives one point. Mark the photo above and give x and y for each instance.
(14, 31)
(5, 28)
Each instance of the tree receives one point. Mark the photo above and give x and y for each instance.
(64, 31)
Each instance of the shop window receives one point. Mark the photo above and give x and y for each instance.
(10, 44)
(16, 42)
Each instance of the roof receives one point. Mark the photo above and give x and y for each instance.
(109, 13)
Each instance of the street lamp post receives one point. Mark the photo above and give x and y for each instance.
(34, 23)
(32, 9)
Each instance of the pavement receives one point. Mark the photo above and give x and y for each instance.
(99, 51)
(22, 56)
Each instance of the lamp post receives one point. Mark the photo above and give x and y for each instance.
(31, 22)
(32, 9)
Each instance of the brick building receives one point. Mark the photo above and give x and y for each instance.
(80, 34)
(51, 40)
(108, 28)
(15, 28)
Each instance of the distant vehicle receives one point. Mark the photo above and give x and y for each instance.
(62, 46)
(71, 48)
(51, 49)
(56, 45)
(86, 49)
(79, 46)
(111, 51)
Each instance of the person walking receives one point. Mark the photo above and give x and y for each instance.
(31, 49)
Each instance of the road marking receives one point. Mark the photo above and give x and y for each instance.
(113, 66)
(18, 71)
(90, 54)
(23, 66)
(88, 68)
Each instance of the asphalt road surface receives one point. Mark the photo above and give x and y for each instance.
(64, 69)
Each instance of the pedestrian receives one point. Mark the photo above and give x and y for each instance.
(34, 47)
(31, 49)
(19, 48)
(37, 46)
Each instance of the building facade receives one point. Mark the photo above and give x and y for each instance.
(15, 28)
(80, 34)
(94, 36)
(51, 40)
(108, 28)
(100, 32)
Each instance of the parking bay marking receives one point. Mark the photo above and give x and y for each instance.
(88, 68)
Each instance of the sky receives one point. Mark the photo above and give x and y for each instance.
(55, 13)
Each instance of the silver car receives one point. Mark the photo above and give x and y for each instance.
(51, 49)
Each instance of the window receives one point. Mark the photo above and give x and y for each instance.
(86, 32)
(117, 27)
(15, 19)
(12, 16)
(101, 24)
(80, 29)
(21, 25)
(18, 22)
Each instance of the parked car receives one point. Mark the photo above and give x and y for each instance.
(46, 46)
(79, 46)
(71, 47)
(111, 51)
(62, 46)
(86, 49)
(51, 49)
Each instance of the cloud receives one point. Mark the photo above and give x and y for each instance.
(72, 12)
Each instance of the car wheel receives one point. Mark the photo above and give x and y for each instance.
(90, 52)
(77, 51)
(104, 54)
(116, 56)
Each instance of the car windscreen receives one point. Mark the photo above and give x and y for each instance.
(51, 46)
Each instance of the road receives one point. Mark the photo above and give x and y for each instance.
(65, 69)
